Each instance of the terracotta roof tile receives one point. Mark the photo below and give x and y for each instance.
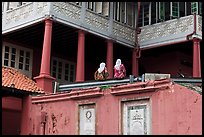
(22, 82)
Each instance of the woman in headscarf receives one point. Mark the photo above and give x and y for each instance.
(101, 73)
(119, 70)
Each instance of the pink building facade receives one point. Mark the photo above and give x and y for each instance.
(154, 107)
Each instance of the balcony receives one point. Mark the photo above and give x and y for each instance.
(70, 14)
(79, 17)
(171, 31)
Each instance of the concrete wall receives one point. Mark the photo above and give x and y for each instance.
(177, 110)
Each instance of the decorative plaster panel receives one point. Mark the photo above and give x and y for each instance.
(67, 9)
(124, 32)
(96, 20)
(168, 30)
(19, 13)
(42, 7)
(24, 15)
(199, 25)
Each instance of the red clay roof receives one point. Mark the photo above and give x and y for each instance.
(20, 81)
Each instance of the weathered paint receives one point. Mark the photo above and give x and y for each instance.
(174, 109)
(177, 112)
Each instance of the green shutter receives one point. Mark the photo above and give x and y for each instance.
(175, 9)
(200, 8)
(162, 10)
(194, 7)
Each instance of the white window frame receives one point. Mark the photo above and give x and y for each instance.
(62, 80)
(98, 7)
(18, 48)
(105, 8)
(90, 5)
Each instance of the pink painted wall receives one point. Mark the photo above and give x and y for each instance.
(179, 112)
(11, 115)
(176, 112)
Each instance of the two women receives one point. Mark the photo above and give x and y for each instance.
(119, 71)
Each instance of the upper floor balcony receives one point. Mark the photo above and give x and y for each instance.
(70, 14)
(78, 16)
(171, 31)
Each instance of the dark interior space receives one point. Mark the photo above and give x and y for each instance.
(179, 59)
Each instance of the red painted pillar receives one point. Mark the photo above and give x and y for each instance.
(80, 56)
(25, 115)
(196, 58)
(44, 80)
(45, 62)
(135, 63)
(109, 58)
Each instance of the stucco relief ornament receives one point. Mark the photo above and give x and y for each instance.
(88, 114)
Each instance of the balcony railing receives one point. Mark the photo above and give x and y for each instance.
(24, 15)
(79, 17)
(70, 14)
(174, 30)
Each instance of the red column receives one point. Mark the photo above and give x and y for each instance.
(109, 58)
(196, 58)
(25, 115)
(44, 80)
(135, 63)
(80, 56)
(45, 62)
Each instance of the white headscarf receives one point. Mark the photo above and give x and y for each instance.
(102, 67)
(117, 64)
